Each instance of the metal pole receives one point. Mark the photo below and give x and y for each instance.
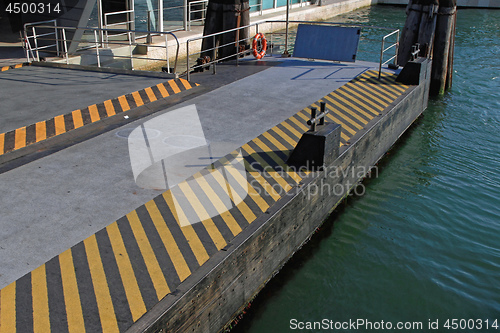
(97, 49)
(286, 54)
(187, 59)
(99, 20)
(214, 53)
(186, 15)
(65, 45)
(160, 15)
(149, 39)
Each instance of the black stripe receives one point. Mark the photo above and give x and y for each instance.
(86, 116)
(180, 84)
(30, 134)
(86, 289)
(176, 231)
(160, 251)
(272, 132)
(101, 109)
(156, 92)
(289, 132)
(353, 99)
(131, 101)
(345, 114)
(373, 84)
(69, 122)
(168, 88)
(9, 141)
(115, 284)
(343, 120)
(24, 304)
(144, 281)
(282, 154)
(144, 96)
(368, 96)
(57, 308)
(116, 105)
(50, 128)
(198, 227)
(210, 209)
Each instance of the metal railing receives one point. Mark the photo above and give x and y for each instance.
(383, 49)
(275, 40)
(193, 10)
(58, 40)
(130, 20)
(32, 49)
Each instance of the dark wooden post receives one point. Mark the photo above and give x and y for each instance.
(427, 27)
(409, 34)
(441, 62)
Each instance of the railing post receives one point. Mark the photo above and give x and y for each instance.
(97, 49)
(36, 44)
(166, 53)
(130, 49)
(185, 13)
(187, 60)
(149, 38)
(214, 54)
(381, 58)
(65, 41)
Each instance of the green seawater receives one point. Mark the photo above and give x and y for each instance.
(423, 242)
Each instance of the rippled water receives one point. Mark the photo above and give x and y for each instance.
(424, 241)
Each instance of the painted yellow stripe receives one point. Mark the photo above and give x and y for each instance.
(162, 89)
(218, 204)
(351, 106)
(291, 129)
(275, 141)
(353, 123)
(137, 98)
(124, 103)
(60, 127)
(368, 98)
(127, 274)
(94, 113)
(149, 256)
(200, 211)
(347, 126)
(169, 242)
(151, 94)
(77, 118)
(40, 131)
(376, 94)
(194, 241)
(110, 109)
(5, 68)
(18, 66)
(261, 203)
(186, 83)
(276, 176)
(265, 185)
(233, 194)
(297, 122)
(20, 138)
(8, 309)
(101, 289)
(360, 99)
(2, 143)
(375, 85)
(283, 135)
(71, 294)
(174, 86)
(277, 159)
(41, 319)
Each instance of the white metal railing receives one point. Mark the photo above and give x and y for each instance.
(192, 10)
(383, 49)
(31, 41)
(130, 19)
(59, 38)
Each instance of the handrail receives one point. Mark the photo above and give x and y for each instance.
(96, 42)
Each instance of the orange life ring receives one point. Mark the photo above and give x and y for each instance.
(256, 53)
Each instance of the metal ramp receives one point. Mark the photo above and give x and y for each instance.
(327, 42)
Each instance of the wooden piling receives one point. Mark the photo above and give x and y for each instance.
(427, 27)
(410, 31)
(442, 46)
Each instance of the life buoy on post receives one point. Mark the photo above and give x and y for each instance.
(256, 53)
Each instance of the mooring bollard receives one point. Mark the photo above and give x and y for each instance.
(319, 119)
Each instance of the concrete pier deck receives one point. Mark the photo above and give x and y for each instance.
(85, 248)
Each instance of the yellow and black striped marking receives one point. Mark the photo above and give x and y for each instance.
(43, 130)
(109, 280)
(6, 68)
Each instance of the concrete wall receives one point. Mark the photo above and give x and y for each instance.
(235, 275)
